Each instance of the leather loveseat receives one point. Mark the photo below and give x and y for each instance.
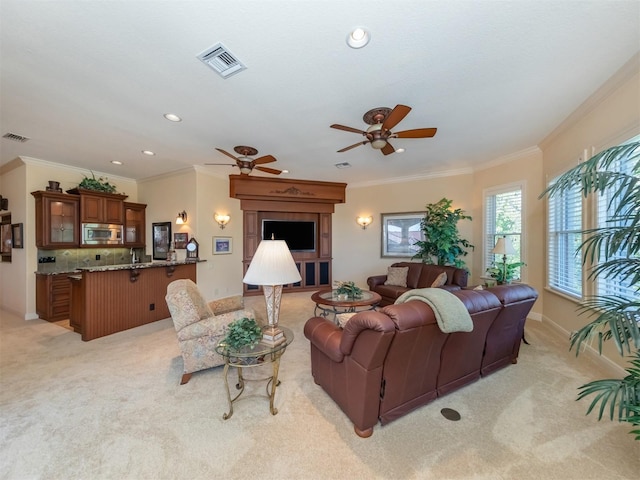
(385, 364)
(418, 275)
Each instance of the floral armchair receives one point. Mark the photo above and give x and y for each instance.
(201, 325)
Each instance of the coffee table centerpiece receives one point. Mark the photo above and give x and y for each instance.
(346, 290)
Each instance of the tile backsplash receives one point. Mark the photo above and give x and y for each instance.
(67, 260)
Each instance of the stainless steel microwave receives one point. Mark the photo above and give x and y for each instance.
(101, 234)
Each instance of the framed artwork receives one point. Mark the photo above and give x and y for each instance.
(400, 232)
(161, 240)
(180, 240)
(16, 235)
(222, 245)
(5, 236)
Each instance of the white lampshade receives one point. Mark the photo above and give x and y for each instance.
(272, 264)
(503, 247)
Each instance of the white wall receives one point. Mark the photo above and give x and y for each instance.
(609, 117)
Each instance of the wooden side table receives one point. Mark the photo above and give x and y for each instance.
(249, 358)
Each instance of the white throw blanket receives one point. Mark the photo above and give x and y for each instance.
(450, 312)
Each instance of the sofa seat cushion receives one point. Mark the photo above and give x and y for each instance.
(391, 291)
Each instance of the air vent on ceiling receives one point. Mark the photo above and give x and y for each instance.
(220, 59)
(343, 165)
(15, 137)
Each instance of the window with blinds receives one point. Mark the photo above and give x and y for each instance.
(607, 204)
(564, 255)
(503, 217)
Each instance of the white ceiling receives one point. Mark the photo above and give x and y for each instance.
(89, 82)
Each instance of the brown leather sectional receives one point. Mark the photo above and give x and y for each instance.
(419, 275)
(387, 363)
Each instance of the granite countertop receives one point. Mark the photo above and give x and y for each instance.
(135, 266)
(123, 266)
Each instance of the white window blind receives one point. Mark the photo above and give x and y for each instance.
(503, 217)
(564, 256)
(607, 203)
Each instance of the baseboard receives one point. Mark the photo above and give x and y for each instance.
(605, 361)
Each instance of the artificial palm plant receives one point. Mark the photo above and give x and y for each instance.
(614, 317)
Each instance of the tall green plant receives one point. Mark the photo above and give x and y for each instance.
(613, 317)
(442, 243)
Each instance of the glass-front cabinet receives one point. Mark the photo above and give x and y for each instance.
(57, 217)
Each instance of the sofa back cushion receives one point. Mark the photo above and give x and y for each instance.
(413, 361)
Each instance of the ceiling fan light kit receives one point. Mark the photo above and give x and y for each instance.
(246, 164)
(382, 120)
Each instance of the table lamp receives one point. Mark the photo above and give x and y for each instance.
(272, 267)
(504, 247)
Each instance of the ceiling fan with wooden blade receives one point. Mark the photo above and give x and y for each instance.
(382, 120)
(246, 164)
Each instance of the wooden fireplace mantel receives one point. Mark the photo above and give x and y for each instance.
(282, 192)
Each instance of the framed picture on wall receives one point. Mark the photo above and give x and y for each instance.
(16, 235)
(222, 245)
(400, 231)
(180, 240)
(161, 240)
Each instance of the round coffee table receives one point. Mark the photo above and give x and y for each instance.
(330, 303)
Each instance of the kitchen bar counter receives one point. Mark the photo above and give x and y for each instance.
(113, 298)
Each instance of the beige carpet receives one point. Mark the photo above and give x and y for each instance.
(112, 409)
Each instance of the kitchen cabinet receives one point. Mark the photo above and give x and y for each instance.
(99, 207)
(134, 224)
(57, 220)
(53, 296)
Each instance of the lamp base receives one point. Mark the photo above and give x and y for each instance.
(272, 335)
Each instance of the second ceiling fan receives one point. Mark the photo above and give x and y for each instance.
(246, 164)
(382, 120)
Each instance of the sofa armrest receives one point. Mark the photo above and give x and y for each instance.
(376, 280)
(325, 336)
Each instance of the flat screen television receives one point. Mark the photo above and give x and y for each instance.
(299, 235)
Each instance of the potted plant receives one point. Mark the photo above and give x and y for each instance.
(613, 317)
(442, 243)
(242, 333)
(503, 272)
(97, 184)
(346, 290)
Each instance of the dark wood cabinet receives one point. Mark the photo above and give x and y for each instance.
(134, 224)
(57, 220)
(98, 207)
(53, 296)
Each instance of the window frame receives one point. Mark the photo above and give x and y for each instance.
(487, 258)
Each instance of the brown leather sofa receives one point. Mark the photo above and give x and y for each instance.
(419, 275)
(385, 364)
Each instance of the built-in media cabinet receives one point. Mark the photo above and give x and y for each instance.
(297, 211)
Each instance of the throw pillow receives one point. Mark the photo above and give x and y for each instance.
(440, 280)
(397, 276)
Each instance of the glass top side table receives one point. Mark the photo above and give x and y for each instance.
(246, 357)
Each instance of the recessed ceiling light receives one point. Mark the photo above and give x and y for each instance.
(172, 117)
(358, 37)
(148, 152)
(343, 165)
(116, 162)
(285, 171)
(399, 150)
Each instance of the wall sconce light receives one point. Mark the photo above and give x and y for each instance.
(222, 220)
(181, 219)
(364, 222)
